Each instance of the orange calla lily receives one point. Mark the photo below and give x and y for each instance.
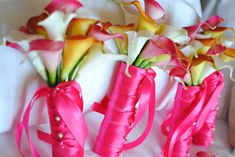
(201, 58)
(145, 22)
(75, 48)
(80, 26)
(207, 44)
(32, 24)
(217, 32)
(228, 55)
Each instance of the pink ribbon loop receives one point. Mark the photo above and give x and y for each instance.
(64, 103)
(120, 113)
(192, 106)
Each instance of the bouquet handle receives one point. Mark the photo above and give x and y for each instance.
(68, 100)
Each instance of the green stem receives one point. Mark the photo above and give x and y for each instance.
(52, 79)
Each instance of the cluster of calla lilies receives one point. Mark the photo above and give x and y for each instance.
(62, 45)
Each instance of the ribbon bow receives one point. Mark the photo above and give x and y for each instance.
(67, 103)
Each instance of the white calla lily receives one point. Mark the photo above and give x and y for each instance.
(208, 69)
(191, 49)
(56, 24)
(38, 64)
(178, 35)
(136, 41)
(22, 39)
(97, 57)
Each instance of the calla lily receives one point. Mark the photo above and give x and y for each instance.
(196, 72)
(56, 25)
(98, 57)
(178, 35)
(32, 26)
(210, 23)
(67, 6)
(208, 69)
(80, 26)
(157, 50)
(102, 35)
(136, 41)
(145, 22)
(20, 41)
(75, 48)
(154, 9)
(50, 53)
(121, 29)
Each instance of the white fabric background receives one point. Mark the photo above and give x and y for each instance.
(19, 81)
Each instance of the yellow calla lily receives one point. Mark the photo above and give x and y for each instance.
(80, 26)
(145, 22)
(75, 48)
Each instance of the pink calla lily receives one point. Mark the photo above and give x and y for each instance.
(67, 6)
(154, 9)
(157, 46)
(102, 35)
(210, 23)
(50, 52)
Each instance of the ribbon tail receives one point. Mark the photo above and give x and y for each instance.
(147, 97)
(205, 112)
(44, 137)
(102, 106)
(24, 124)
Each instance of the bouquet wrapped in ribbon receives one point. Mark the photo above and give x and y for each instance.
(147, 43)
(58, 43)
(197, 65)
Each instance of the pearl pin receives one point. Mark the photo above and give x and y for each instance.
(57, 89)
(57, 118)
(60, 135)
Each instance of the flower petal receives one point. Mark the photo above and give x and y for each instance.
(154, 9)
(80, 26)
(212, 22)
(135, 45)
(50, 52)
(67, 6)
(33, 26)
(75, 48)
(97, 57)
(157, 46)
(178, 35)
(102, 35)
(56, 24)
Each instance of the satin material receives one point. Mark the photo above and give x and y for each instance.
(192, 118)
(121, 115)
(68, 128)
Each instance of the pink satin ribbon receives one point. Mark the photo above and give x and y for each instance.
(68, 128)
(120, 111)
(192, 118)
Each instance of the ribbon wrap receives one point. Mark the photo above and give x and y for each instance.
(68, 128)
(192, 119)
(121, 115)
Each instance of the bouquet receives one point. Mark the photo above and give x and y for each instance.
(58, 43)
(147, 43)
(197, 65)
